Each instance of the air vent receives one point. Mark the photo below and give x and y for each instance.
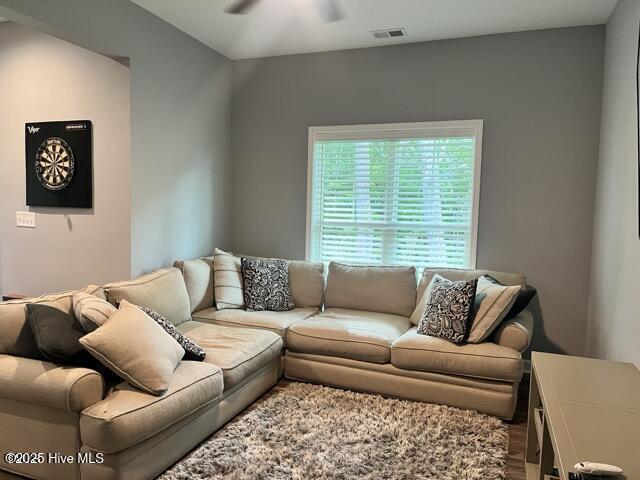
(389, 33)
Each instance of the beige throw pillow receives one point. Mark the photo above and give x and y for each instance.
(136, 348)
(227, 280)
(91, 311)
(493, 302)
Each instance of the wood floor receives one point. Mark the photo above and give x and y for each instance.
(518, 434)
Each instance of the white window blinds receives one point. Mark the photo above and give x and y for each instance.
(401, 194)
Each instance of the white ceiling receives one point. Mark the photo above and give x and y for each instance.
(281, 27)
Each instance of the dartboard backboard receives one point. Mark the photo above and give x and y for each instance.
(59, 164)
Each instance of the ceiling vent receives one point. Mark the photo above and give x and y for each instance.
(389, 33)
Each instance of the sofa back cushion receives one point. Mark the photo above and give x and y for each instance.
(198, 278)
(16, 337)
(457, 274)
(306, 281)
(374, 289)
(162, 290)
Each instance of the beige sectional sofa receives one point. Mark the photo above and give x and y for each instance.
(363, 339)
(45, 407)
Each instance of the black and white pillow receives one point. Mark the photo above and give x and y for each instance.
(192, 351)
(449, 309)
(266, 284)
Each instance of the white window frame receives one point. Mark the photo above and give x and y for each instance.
(400, 130)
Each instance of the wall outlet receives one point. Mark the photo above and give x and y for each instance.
(26, 219)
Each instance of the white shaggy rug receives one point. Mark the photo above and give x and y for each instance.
(302, 431)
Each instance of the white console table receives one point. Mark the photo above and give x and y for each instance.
(582, 409)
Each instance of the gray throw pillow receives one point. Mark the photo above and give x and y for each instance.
(449, 309)
(524, 298)
(57, 335)
(266, 284)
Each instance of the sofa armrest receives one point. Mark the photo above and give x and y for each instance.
(43, 383)
(517, 332)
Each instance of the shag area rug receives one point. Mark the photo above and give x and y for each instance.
(302, 431)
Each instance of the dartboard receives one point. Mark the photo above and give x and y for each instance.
(54, 163)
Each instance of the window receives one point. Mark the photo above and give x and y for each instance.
(396, 194)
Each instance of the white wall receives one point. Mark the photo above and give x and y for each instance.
(43, 78)
(614, 310)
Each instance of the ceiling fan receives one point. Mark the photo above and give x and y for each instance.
(329, 9)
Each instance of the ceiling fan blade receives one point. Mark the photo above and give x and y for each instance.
(331, 11)
(241, 7)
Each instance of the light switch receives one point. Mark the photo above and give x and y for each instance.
(26, 219)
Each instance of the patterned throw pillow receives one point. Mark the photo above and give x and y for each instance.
(266, 284)
(449, 309)
(192, 351)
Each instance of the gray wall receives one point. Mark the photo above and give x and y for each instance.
(614, 316)
(180, 96)
(69, 247)
(539, 94)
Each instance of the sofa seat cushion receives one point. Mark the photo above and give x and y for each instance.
(128, 416)
(239, 352)
(277, 322)
(356, 334)
(413, 351)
